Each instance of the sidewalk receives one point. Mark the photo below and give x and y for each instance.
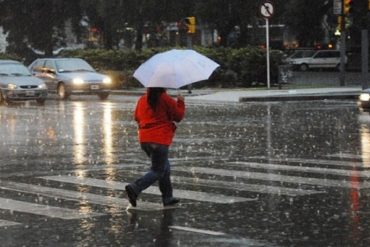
(281, 95)
(247, 95)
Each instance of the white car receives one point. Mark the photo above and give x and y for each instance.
(317, 59)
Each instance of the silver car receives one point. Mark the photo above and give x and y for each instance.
(67, 76)
(17, 84)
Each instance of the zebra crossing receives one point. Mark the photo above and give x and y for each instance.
(271, 178)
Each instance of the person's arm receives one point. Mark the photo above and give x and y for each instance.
(176, 108)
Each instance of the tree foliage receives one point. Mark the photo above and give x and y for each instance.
(305, 18)
(40, 24)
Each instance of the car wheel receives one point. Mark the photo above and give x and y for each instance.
(303, 67)
(40, 101)
(103, 96)
(62, 92)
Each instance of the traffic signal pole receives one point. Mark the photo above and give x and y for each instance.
(344, 13)
(191, 29)
(365, 58)
(342, 76)
(364, 7)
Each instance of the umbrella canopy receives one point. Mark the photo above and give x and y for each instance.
(174, 69)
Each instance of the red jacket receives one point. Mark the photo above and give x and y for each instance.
(158, 127)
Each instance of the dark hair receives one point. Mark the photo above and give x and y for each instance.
(154, 94)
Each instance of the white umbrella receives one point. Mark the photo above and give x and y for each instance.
(174, 69)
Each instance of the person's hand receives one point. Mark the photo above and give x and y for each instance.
(180, 97)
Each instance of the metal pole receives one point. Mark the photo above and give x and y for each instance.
(189, 44)
(365, 58)
(342, 81)
(268, 52)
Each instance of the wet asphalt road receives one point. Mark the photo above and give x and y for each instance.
(247, 174)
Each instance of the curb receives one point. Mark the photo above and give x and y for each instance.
(299, 97)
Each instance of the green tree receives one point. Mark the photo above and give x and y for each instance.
(305, 18)
(37, 24)
(227, 15)
(108, 17)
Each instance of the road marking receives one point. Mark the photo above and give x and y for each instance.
(220, 238)
(6, 223)
(319, 170)
(274, 177)
(185, 194)
(44, 210)
(315, 161)
(92, 168)
(345, 155)
(201, 231)
(259, 188)
(78, 196)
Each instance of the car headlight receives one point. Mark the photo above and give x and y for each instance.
(107, 80)
(12, 86)
(78, 81)
(364, 97)
(42, 86)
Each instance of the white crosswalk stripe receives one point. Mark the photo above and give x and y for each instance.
(274, 177)
(78, 196)
(345, 155)
(6, 223)
(44, 210)
(258, 188)
(185, 194)
(316, 161)
(318, 170)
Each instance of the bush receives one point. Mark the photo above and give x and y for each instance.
(238, 67)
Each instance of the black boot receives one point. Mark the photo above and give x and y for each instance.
(131, 195)
(171, 202)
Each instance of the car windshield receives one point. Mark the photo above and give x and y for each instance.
(73, 65)
(302, 54)
(13, 69)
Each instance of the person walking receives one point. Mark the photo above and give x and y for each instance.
(155, 114)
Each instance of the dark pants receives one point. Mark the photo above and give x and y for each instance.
(160, 170)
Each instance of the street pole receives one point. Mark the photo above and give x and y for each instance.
(342, 81)
(266, 11)
(189, 44)
(268, 52)
(365, 58)
(364, 7)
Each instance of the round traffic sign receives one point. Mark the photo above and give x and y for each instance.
(267, 9)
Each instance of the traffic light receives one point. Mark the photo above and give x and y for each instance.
(347, 7)
(190, 22)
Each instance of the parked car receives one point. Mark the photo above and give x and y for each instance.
(305, 60)
(67, 76)
(17, 83)
(364, 99)
(301, 53)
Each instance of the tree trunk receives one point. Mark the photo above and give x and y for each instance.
(139, 37)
